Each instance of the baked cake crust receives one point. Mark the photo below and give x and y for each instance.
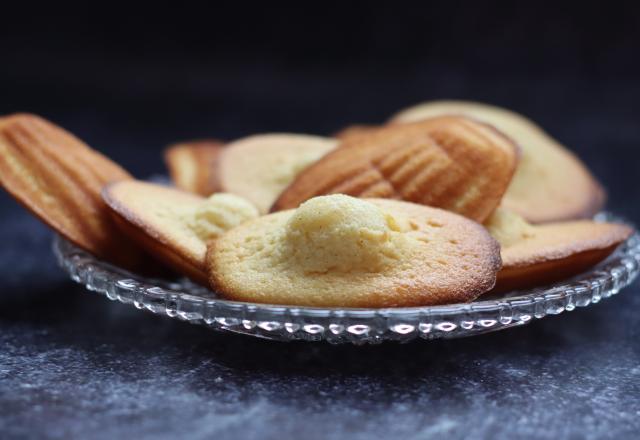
(448, 259)
(550, 184)
(194, 166)
(449, 162)
(59, 179)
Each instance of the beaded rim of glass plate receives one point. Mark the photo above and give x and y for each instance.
(189, 302)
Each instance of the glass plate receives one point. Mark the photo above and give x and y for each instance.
(184, 300)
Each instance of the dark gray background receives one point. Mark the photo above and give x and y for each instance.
(73, 365)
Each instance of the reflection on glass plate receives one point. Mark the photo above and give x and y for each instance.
(184, 300)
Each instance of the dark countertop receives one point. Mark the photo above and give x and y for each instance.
(75, 365)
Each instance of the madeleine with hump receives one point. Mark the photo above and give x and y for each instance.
(173, 225)
(450, 162)
(534, 255)
(59, 178)
(259, 167)
(341, 251)
(193, 166)
(550, 184)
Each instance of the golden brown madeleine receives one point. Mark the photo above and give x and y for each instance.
(550, 184)
(340, 251)
(449, 162)
(59, 179)
(355, 130)
(259, 167)
(534, 255)
(193, 166)
(174, 225)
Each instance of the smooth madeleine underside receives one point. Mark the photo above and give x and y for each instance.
(259, 167)
(153, 216)
(450, 259)
(556, 251)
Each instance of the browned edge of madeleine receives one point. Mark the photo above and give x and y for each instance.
(193, 165)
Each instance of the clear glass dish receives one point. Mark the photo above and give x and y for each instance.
(184, 300)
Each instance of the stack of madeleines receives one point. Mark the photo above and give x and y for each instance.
(445, 202)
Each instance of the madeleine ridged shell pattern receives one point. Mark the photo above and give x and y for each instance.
(450, 162)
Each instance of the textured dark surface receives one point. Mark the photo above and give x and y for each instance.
(74, 365)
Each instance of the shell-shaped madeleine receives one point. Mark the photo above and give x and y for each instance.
(452, 163)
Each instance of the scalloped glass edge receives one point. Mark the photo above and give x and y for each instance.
(195, 304)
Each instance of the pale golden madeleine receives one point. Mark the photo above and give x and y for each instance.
(550, 183)
(172, 225)
(449, 162)
(259, 167)
(59, 178)
(193, 165)
(340, 251)
(534, 255)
